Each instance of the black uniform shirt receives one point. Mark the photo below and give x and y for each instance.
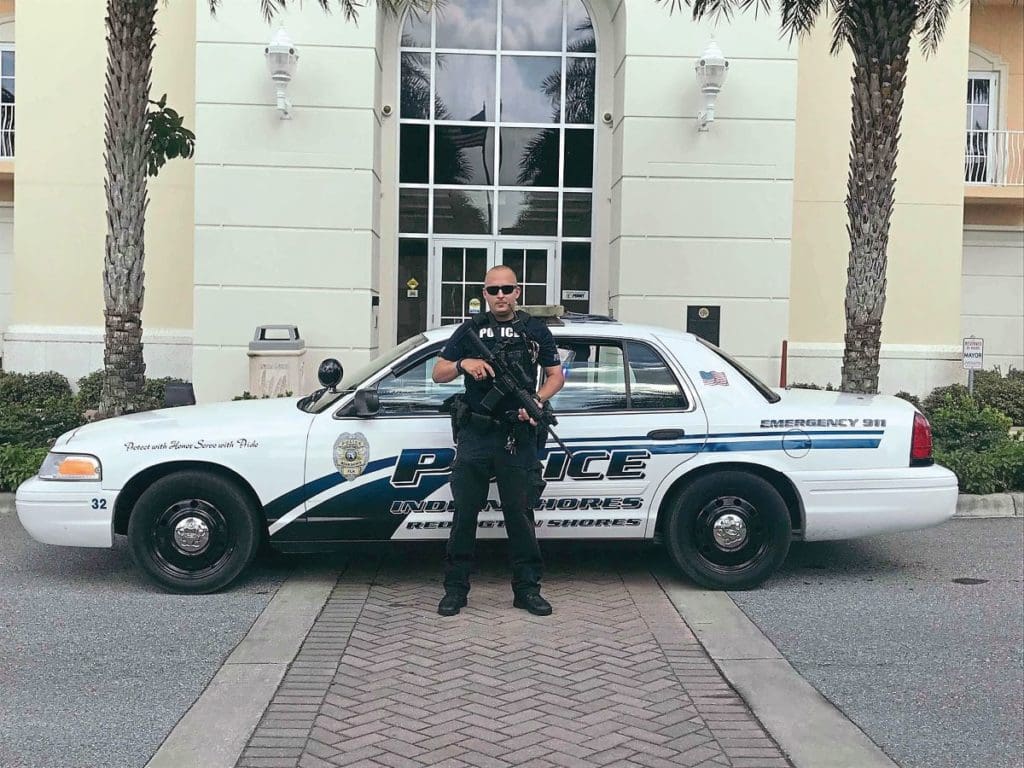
(491, 335)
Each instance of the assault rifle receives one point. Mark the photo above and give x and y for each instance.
(511, 379)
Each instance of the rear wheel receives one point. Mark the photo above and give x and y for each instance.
(729, 530)
(193, 532)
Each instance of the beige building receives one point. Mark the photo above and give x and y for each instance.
(560, 136)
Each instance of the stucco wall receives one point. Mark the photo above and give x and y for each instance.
(60, 226)
(6, 263)
(921, 323)
(284, 209)
(703, 217)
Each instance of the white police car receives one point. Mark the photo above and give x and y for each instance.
(668, 438)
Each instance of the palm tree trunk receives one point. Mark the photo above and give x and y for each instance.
(130, 40)
(879, 36)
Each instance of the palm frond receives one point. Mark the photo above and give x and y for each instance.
(932, 16)
(724, 8)
(673, 5)
(350, 8)
(799, 16)
(842, 24)
(397, 8)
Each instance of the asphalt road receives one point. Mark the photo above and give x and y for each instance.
(930, 668)
(96, 664)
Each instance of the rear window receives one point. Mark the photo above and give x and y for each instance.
(766, 392)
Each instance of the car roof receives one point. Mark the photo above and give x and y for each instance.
(589, 325)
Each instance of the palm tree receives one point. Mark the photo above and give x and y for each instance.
(878, 32)
(131, 30)
(128, 153)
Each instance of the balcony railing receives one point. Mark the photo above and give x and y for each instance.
(6, 131)
(995, 158)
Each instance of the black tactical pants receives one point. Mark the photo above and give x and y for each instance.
(481, 455)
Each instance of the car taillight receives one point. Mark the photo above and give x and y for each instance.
(921, 442)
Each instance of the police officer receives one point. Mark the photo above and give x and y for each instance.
(501, 443)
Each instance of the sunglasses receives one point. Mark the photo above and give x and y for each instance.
(492, 290)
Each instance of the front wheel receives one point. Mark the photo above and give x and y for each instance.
(193, 532)
(729, 530)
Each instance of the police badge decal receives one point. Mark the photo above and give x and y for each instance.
(351, 453)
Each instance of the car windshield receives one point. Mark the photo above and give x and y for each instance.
(352, 379)
(770, 395)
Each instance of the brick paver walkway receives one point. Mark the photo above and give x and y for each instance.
(613, 678)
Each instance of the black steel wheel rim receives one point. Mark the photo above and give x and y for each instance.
(718, 558)
(180, 564)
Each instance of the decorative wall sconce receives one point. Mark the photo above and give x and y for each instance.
(711, 70)
(281, 61)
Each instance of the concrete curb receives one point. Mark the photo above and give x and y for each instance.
(809, 728)
(990, 505)
(214, 731)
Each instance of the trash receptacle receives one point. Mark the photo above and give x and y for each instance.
(276, 361)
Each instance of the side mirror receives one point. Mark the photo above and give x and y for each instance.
(330, 373)
(366, 403)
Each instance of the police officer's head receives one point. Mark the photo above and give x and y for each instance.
(501, 291)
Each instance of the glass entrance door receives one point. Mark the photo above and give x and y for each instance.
(457, 270)
(534, 263)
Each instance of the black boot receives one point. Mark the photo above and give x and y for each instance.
(451, 604)
(534, 603)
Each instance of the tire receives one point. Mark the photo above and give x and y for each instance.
(761, 542)
(218, 532)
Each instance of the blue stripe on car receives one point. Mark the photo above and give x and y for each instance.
(293, 498)
(379, 490)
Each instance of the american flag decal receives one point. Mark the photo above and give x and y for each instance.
(714, 379)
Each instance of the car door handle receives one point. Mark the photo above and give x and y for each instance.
(666, 434)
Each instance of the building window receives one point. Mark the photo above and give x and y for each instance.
(6, 102)
(496, 135)
(982, 137)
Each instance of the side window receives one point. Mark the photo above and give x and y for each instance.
(414, 392)
(595, 377)
(651, 383)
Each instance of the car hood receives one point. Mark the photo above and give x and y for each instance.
(248, 417)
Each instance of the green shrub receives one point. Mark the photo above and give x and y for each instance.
(975, 472)
(17, 464)
(32, 388)
(912, 399)
(247, 395)
(1012, 458)
(810, 385)
(997, 470)
(964, 425)
(90, 387)
(37, 425)
(1004, 393)
(942, 396)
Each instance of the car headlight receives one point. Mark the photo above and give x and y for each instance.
(70, 466)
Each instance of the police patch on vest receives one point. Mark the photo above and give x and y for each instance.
(351, 454)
